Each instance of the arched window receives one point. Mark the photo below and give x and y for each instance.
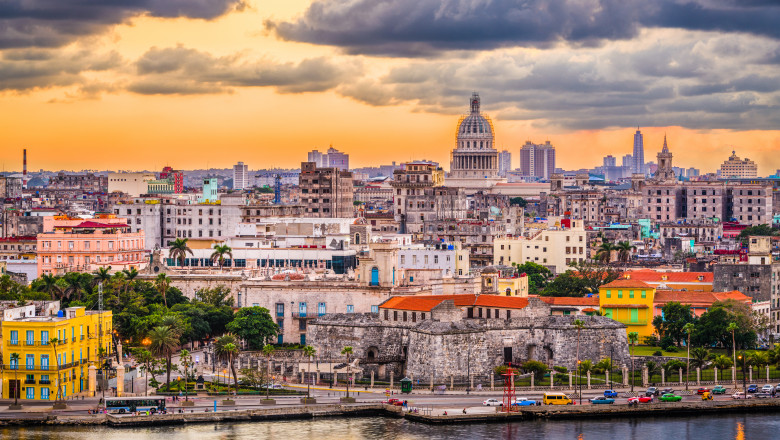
(357, 238)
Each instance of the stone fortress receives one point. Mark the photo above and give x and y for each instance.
(441, 337)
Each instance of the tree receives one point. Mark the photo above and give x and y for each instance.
(699, 356)
(604, 252)
(674, 318)
(595, 275)
(15, 363)
(538, 276)
(348, 352)
(217, 296)
(146, 359)
(47, 283)
(673, 365)
(624, 249)
(760, 359)
(723, 362)
(163, 342)
(102, 275)
(309, 352)
(179, 250)
(652, 368)
(226, 348)
(537, 368)
(759, 230)
(633, 337)
(688, 329)
(254, 325)
(185, 359)
(567, 284)
(220, 250)
(162, 282)
(130, 275)
(268, 351)
(518, 201)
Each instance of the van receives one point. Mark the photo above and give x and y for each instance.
(556, 399)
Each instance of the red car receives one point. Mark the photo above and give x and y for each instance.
(640, 399)
(391, 401)
(702, 390)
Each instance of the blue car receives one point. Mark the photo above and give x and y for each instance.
(602, 400)
(522, 401)
(752, 388)
(610, 393)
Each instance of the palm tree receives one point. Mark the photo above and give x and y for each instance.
(75, 285)
(624, 249)
(179, 249)
(604, 252)
(759, 359)
(308, 351)
(226, 348)
(15, 364)
(47, 283)
(688, 329)
(130, 274)
(163, 342)
(347, 351)
(162, 282)
(652, 369)
(186, 362)
(699, 356)
(102, 275)
(732, 327)
(220, 250)
(633, 337)
(268, 350)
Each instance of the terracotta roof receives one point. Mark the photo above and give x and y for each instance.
(652, 276)
(19, 238)
(589, 309)
(734, 294)
(696, 298)
(504, 302)
(424, 303)
(627, 284)
(570, 301)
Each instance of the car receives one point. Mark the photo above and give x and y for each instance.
(492, 402)
(390, 401)
(667, 391)
(640, 399)
(752, 388)
(273, 386)
(669, 397)
(767, 389)
(652, 391)
(762, 395)
(702, 390)
(610, 393)
(777, 388)
(522, 401)
(719, 389)
(602, 400)
(740, 395)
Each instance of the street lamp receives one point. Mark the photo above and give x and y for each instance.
(744, 383)
(579, 380)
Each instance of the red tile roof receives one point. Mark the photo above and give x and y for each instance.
(503, 302)
(627, 284)
(570, 301)
(424, 303)
(91, 224)
(697, 298)
(652, 276)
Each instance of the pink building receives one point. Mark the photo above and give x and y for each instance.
(79, 245)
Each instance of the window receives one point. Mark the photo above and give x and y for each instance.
(395, 315)
(644, 294)
(630, 293)
(14, 337)
(44, 337)
(620, 294)
(30, 340)
(321, 309)
(634, 315)
(30, 362)
(31, 392)
(44, 392)
(609, 294)
(350, 308)
(374, 309)
(280, 310)
(387, 315)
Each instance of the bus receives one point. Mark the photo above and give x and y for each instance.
(124, 405)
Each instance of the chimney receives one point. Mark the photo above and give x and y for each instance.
(24, 170)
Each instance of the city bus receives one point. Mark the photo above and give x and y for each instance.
(124, 405)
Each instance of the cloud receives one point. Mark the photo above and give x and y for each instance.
(28, 69)
(426, 27)
(55, 23)
(181, 70)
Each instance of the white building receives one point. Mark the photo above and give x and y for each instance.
(240, 176)
(450, 259)
(133, 184)
(555, 247)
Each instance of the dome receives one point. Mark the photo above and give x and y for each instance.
(475, 131)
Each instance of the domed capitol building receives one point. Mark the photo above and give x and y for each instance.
(475, 159)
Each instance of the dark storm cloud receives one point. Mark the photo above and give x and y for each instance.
(27, 69)
(424, 27)
(54, 23)
(180, 70)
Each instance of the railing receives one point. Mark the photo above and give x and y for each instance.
(13, 342)
(304, 315)
(29, 381)
(44, 382)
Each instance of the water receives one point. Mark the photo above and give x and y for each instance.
(738, 427)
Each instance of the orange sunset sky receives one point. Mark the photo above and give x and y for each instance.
(198, 84)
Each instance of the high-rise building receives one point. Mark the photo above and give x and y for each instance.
(610, 161)
(537, 160)
(628, 162)
(333, 158)
(320, 160)
(327, 192)
(736, 167)
(474, 155)
(639, 153)
(240, 176)
(504, 163)
(176, 178)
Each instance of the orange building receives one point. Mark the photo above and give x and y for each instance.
(83, 245)
(700, 302)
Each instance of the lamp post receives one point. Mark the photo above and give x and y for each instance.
(579, 380)
(468, 367)
(742, 360)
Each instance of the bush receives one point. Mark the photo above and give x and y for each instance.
(561, 369)
(536, 367)
(657, 353)
(672, 349)
(667, 342)
(650, 340)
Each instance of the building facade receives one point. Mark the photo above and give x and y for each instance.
(737, 167)
(537, 160)
(240, 176)
(475, 155)
(327, 192)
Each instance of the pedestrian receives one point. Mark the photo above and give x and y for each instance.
(464, 410)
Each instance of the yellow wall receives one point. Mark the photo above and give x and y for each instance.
(78, 350)
(519, 286)
(637, 319)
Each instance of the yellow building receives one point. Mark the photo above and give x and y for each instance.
(34, 376)
(517, 286)
(629, 302)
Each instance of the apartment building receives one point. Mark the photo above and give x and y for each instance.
(327, 192)
(555, 248)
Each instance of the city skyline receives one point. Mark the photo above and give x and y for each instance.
(267, 82)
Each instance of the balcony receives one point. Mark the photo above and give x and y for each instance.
(44, 382)
(29, 381)
(630, 322)
(304, 315)
(13, 342)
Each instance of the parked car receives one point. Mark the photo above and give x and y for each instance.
(640, 399)
(702, 390)
(492, 402)
(667, 391)
(522, 401)
(652, 391)
(777, 388)
(390, 401)
(752, 388)
(767, 389)
(273, 386)
(719, 389)
(669, 397)
(740, 395)
(763, 395)
(610, 393)
(601, 400)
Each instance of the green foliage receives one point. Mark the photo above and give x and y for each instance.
(723, 362)
(658, 353)
(500, 369)
(536, 367)
(265, 190)
(713, 326)
(220, 252)
(673, 366)
(217, 296)
(699, 357)
(254, 325)
(518, 201)
(538, 276)
(650, 340)
(603, 365)
(760, 230)
(560, 369)
(567, 284)
(652, 368)
(670, 325)
(585, 366)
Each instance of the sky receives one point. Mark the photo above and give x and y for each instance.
(140, 84)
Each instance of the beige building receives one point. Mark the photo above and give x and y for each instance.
(736, 167)
(328, 192)
(133, 184)
(554, 248)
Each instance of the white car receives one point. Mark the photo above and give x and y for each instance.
(740, 395)
(767, 388)
(492, 402)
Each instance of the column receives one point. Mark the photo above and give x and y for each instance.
(734, 375)
(120, 380)
(452, 382)
(716, 375)
(645, 377)
(335, 378)
(492, 381)
(663, 376)
(552, 378)
(318, 376)
(698, 376)
(767, 374)
(119, 351)
(625, 376)
(303, 377)
(750, 374)
(431, 382)
(571, 387)
(91, 380)
(532, 380)
(680, 373)
(588, 379)
(606, 377)
(372, 379)
(392, 376)
(471, 381)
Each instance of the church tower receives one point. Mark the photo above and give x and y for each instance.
(665, 173)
